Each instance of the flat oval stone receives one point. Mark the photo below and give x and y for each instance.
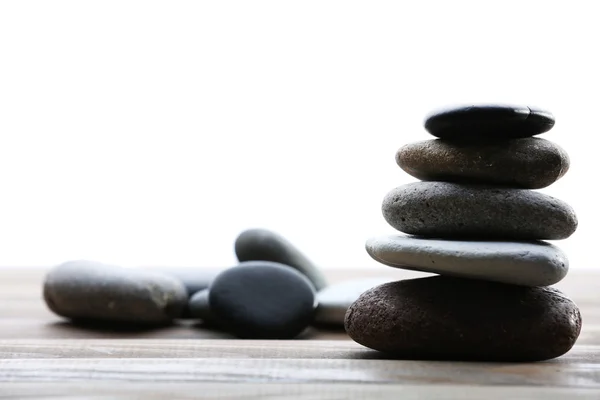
(452, 211)
(444, 318)
(87, 290)
(262, 300)
(334, 300)
(528, 163)
(488, 121)
(266, 245)
(518, 263)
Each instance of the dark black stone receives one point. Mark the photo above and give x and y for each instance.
(262, 300)
(266, 245)
(460, 211)
(443, 318)
(488, 121)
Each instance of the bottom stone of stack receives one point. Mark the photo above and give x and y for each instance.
(447, 318)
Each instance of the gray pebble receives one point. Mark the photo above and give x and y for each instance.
(265, 245)
(451, 210)
(87, 290)
(519, 263)
(334, 300)
(194, 279)
(199, 307)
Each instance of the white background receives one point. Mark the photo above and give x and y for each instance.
(152, 133)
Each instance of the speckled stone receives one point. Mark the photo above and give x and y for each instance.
(519, 263)
(92, 291)
(488, 121)
(453, 211)
(265, 245)
(528, 163)
(262, 300)
(445, 318)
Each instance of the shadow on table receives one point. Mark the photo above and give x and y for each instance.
(82, 329)
(181, 328)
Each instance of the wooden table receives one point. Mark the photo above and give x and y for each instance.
(43, 357)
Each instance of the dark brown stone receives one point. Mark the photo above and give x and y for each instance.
(453, 210)
(529, 163)
(447, 318)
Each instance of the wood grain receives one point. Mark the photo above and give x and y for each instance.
(278, 391)
(272, 361)
(222, 348)
(43, 356)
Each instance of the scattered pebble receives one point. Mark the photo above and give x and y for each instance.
(262, 300)
(199, 307)
(194, 279)
(265, 245)
(334, 300)
(87, 290)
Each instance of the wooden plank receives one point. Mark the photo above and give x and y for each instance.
(277, 391)
(299, 370)
(43, 356)
(234, 349)
(175, 348)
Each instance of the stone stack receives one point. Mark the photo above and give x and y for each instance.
(475, 220)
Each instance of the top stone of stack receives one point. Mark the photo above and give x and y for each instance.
(487, 144)
(488, 121)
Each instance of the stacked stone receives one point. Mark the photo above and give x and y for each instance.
(475, 219)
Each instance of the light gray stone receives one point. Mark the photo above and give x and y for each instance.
(521, 263)
(334, 300)
(92, 291)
